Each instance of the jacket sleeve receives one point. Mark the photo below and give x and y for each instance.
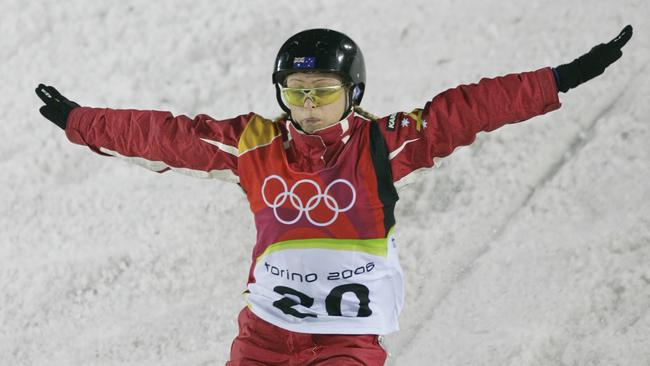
(455, 116)
(157, 140)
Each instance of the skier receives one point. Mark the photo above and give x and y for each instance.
(325, 282)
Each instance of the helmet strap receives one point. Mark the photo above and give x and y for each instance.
(278, 95)
(349, 102)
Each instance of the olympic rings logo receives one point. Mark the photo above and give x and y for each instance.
(312, 203)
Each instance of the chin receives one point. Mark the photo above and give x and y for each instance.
(310, 129)
(312, 126)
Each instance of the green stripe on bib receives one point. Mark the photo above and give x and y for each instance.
(378, 247)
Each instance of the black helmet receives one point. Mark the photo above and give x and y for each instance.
(322, 50)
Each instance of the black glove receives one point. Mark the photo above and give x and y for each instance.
(57, 107)
(593, 63)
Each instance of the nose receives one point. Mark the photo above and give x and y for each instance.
(309, 103)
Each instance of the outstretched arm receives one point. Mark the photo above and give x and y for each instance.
(199, 146)
(454, 117)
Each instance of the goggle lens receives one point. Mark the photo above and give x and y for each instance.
(319, 96)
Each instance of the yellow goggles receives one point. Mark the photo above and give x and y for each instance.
(319, 96)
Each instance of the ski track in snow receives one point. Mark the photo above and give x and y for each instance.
(529, 247)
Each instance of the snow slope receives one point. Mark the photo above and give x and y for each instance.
(529, 247)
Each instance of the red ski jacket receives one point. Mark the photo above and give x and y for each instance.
(323, 203)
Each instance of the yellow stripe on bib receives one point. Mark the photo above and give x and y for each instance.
(378, 247)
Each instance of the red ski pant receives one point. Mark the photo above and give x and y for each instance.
(262, 343)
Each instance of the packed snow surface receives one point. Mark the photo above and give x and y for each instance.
(529, 247)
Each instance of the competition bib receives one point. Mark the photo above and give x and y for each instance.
(329, 286)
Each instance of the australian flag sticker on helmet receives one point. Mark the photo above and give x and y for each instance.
(308, 62)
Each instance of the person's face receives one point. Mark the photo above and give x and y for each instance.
(309, 116)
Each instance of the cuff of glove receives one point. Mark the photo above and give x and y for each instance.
(557, 78)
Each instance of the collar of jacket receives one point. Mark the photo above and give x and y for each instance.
(316, 150)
